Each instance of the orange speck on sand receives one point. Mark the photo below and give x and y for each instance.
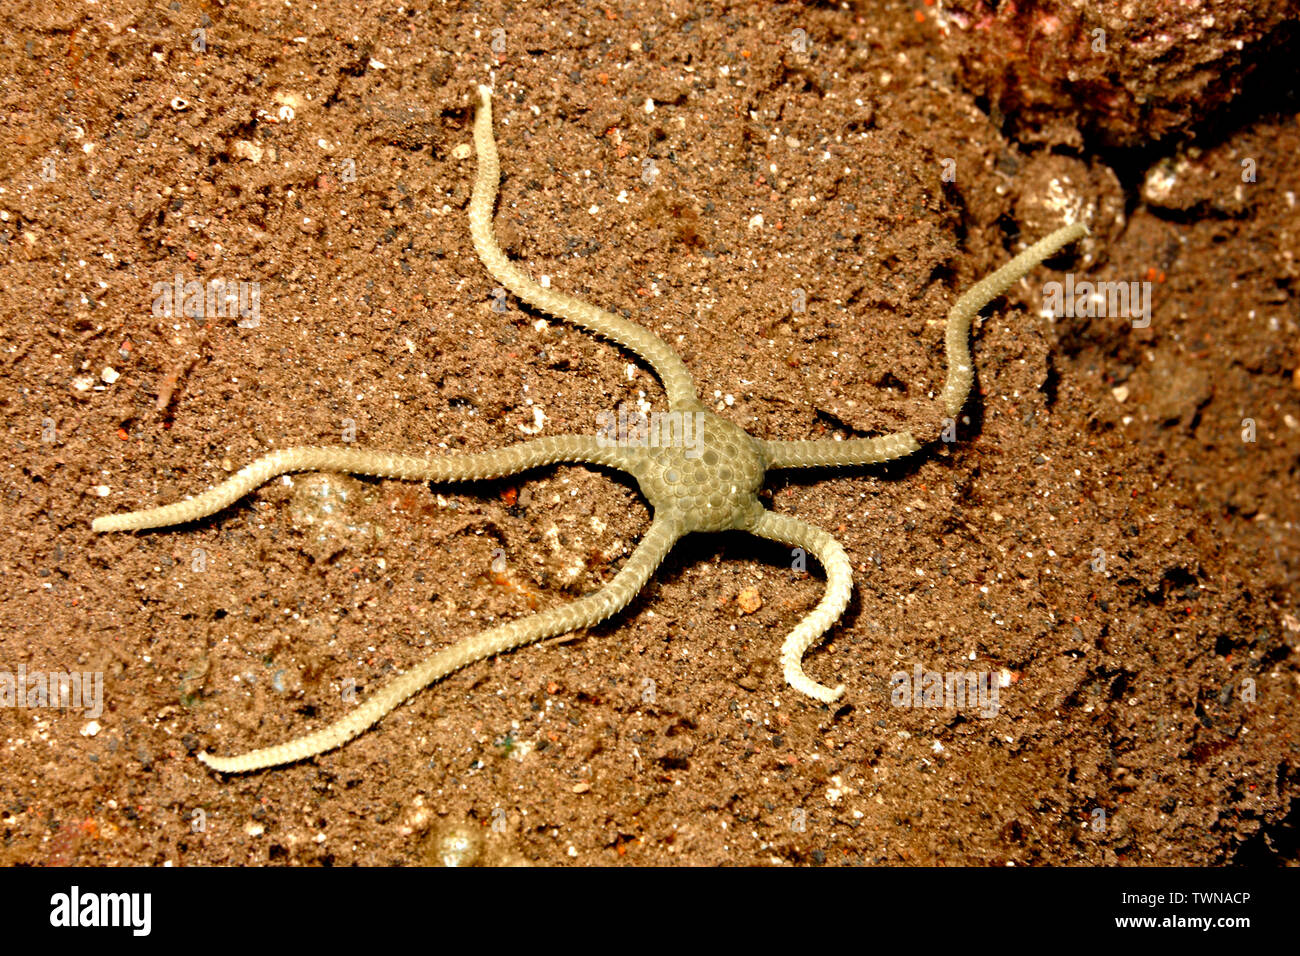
(121, 433)
(603, 77)
(510, 495)
(746, 54)
(920, 17)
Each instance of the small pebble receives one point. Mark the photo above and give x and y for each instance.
(453, 844)
(250, 151)
(749, 600)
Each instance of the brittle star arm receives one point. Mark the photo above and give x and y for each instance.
(839, 585)
(961, 373)
(668, 366)
(584, 612)
(455, 467)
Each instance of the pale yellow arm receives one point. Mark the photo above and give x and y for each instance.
(961, 373)
(839, 587)
(488, 464)
(584, 612)
(670, 369)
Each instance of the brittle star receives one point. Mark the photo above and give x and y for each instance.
(709, 484)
